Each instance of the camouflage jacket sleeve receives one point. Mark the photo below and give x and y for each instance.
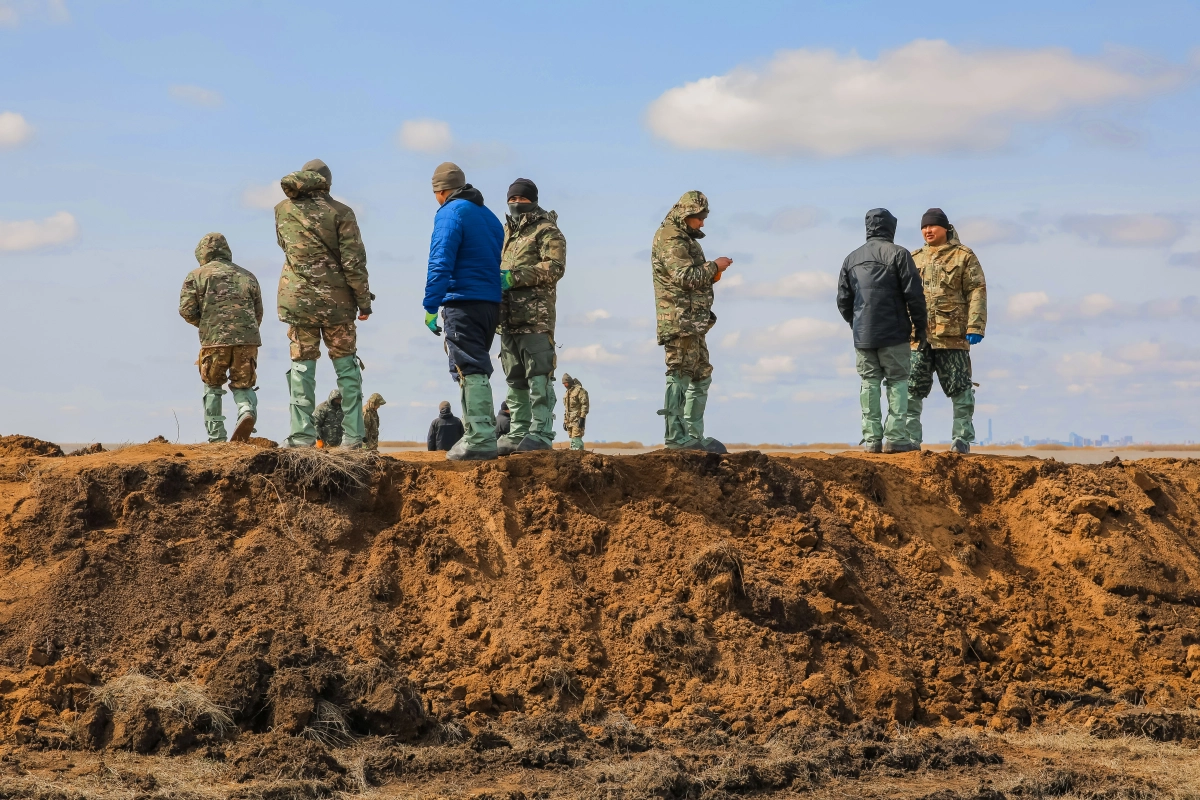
(975, 291)
(551, 266)
(256, 292)
(685, 270)
(354, 260)
(189, 299)
(584, 406)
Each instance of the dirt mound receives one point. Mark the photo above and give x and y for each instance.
(532, 610)
(17, 445)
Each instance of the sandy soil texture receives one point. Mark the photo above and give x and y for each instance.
(241, 621)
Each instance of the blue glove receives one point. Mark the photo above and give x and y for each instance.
(974, 338)
(506, 281)
(431, 323)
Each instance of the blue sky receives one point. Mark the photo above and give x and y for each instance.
(1060, 137)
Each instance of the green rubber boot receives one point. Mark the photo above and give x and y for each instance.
(676, 435)
(962, 430)
(302, 386)
(479, 421)
(214, 421)
(247, 405)
(541, 402)
(895, 431)
(576, 442)
(519, 417)
(872, 417)
(695, 401)
(912, 421)
(349, 380)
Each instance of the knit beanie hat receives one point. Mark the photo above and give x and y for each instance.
(523, 187)
(448, 175)
(934, 216)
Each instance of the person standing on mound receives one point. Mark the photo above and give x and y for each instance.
(464, 282)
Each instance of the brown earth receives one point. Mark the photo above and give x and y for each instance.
(661, 625)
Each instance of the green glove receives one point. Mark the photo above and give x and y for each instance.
(431, 323)
(506, 281)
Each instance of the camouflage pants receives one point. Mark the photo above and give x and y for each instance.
(234, 363)
(953, 368)
(370, 429)
(575, 428)
(525, 356)
(688, 355)
(340, 341)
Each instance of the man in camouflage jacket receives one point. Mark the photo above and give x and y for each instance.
(956, 297)
(225, 302)
(683, 294)
(532, 262)
(575, 410)
(327, 419)
(322, 288)
(371, 421)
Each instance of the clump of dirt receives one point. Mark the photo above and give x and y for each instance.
(17, 445)
(88, 450)
(550, 607)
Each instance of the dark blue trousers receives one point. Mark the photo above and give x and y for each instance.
(470, 330)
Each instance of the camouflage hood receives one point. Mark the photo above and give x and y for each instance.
(375, 401)
(952, 235)
(335, 396)
(691, 204)
(213, 247)
(303, 184)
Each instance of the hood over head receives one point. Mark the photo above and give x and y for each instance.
(320, 167)
(692, 204)
(504, 407)
(881, 224)
(303, 184)
(952, 235)
(376, 400)
(336, 396)
(444, 408)
(213, 247)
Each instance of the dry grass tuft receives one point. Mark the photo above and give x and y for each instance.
(340, 471)
(183, 699)
(328, 726)
(717, 559)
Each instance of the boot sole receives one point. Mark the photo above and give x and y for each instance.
(244, 428)
(487, 455)
(535, 446)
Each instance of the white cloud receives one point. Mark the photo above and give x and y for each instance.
(769, 368)
(817, 102)
(12, 10)
(598, 314)
(8, 16)
(34, 234)
(798, 286)
(731, 339)
(998, 374)
(592, 353)
(810, 396)
(787, 220)
(1140, 352)
(805, 331)
(14, 130)
(1093, 305)
(1093, 366)
(425, 136)
(262, 197)
(196, 96)
(974, 231)
(1126, 230)
(1026, 303)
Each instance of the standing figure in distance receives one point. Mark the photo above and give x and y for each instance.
(225, 302)
(446, 430)
(683, 294)
(575, 410)
(327, 419)
(371, 421)
(464, 281)
(879, 295)
(956, 293)
(322, 288)
(532, 263)
(503, 421)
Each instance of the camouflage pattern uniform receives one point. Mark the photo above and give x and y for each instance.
(322, 288)
(371, 421)
(225, 302)
(535, 253)
(956, 296)
(575, 411)
(683, 295)
(328, 419)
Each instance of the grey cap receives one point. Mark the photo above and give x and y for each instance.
(448, 175)
(318, 166)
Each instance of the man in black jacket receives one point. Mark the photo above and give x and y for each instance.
(881, 297)
(446, 430)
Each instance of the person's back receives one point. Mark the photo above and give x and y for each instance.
(446, 430)
(371, 421)
(327, 419)
(575, 410)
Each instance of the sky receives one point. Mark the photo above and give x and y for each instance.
(1059, 138)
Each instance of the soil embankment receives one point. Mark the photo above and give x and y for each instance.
(665, 625)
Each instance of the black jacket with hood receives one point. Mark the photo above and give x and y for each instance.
(445, 431)
(879, 288)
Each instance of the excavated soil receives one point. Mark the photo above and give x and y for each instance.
(563, 624)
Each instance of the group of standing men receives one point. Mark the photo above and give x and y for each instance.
(913, 315)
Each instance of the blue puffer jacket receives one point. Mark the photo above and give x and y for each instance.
(464, 255)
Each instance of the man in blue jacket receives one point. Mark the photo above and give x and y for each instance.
(464, 281)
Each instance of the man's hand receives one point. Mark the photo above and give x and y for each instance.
(722, 265)
(363, 317)
(974, 338)
(506, 281)
(431, 323)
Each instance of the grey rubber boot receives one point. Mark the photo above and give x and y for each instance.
(479, 421)
(695, 401)
(519, 417)
(912, 421)
(302, 387)
(541, 402)
(214, 421)
(962, 430)
(349, 379)
(676, 435)
(869, 393)
(247, 405)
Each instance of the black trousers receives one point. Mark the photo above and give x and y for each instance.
(470, 330)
